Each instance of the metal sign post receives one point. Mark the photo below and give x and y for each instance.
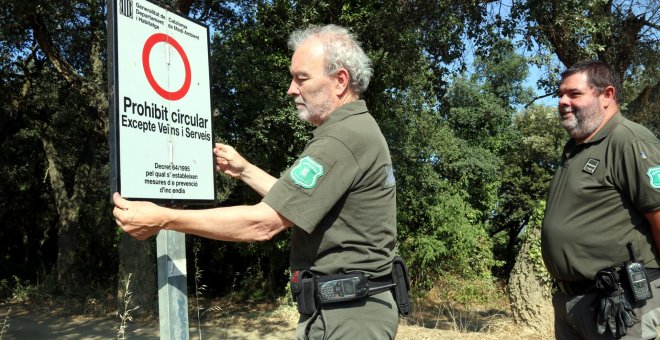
(172, 285)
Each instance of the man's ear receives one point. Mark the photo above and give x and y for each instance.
(343, 80)
(609, 96)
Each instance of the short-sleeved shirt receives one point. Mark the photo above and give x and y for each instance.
(597, 201)
(341, 196)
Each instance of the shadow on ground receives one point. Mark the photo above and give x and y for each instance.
(22, 323)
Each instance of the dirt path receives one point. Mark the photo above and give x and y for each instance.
(24, 324)
(253, 322)
(37, 325)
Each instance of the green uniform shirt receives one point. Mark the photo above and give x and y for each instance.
(597, 199)
(341, 195)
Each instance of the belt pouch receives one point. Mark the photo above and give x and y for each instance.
(306, 301)
(400, 278)
(302, 289)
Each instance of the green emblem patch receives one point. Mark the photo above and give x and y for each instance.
(307, 172)
(654, 175)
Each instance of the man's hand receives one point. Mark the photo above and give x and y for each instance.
(140, 219)
(228, 161)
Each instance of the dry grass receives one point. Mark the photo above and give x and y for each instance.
(436, 319)
(430, 319)
(5, 323)
(125, 315)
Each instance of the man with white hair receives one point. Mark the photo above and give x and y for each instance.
(340, 195)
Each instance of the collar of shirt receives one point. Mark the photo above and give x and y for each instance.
(349, 109)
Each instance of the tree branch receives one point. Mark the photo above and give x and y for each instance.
(183, 6)
(651, 24)
(89, 89)
(45, 42)
(537, 98)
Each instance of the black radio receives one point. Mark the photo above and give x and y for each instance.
(342, 287)
(639, 281)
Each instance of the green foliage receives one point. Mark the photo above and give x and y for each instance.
(20, 291)
(527, 171)
(250, 71)
(439, 230)
(503, 73)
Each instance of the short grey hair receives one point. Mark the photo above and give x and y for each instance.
(342, 50)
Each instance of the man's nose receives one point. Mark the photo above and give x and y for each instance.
(293, 90)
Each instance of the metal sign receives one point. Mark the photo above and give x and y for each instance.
(161, 136)
(160, 129)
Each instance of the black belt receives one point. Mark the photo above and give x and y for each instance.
(376, 285)
(380, 284)
(584, 286)
(576, 287)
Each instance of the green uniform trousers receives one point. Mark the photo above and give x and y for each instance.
(575, 316)
(374, 317)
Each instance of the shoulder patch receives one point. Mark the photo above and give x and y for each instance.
(654, 176)
(306, 173)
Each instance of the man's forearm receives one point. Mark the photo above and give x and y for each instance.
(259, 180)
(237, 224)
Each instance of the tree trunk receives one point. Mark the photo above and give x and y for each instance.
(644, 109)
(69, 277)
(138, 259)
(530, 288)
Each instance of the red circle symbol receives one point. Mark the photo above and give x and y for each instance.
(153, 40)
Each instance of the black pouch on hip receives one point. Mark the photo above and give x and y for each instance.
(400, 278)
(302, 289)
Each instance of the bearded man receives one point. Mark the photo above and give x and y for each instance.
(602, 221)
